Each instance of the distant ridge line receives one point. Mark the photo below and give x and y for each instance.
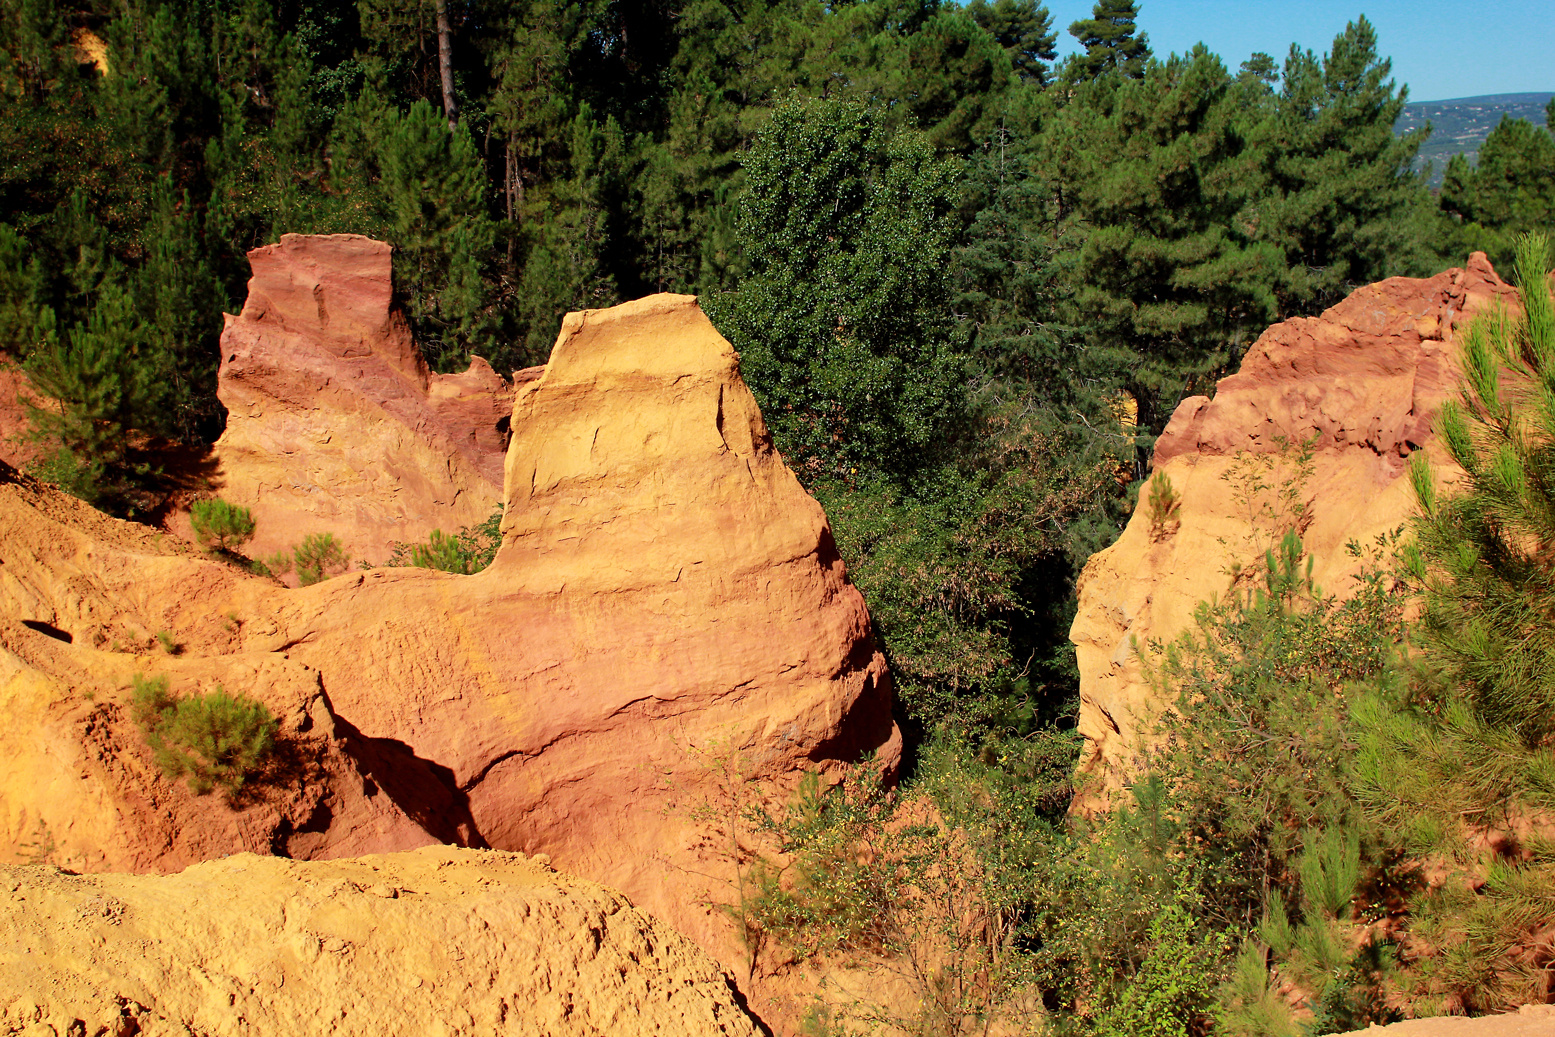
(1527, 98)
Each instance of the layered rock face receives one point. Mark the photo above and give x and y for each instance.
(437, 941)
(667, 610)
(1364, 382)
(667, 599)
(334, 423)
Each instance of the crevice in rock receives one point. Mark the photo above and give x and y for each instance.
(480, 777)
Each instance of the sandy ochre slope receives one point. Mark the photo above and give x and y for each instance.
(1528, 1021)
(437, 941)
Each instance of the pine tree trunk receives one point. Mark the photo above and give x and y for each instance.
(445, 64)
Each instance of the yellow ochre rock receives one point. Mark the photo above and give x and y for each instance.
(667, 605)
(433, 941)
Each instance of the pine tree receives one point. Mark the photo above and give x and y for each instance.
(532, 101)
(180, 300)
(566, 256)
(1008, 270)
(1166, 281)
(723, 82)
(1486, 552)
(32, 56)
(21, 293)
(265, 164)
(101, 380)
(1109, 39)
(953, 74)
(1334, 187)
(433, 187)
(1024, 28)
(1510, 191)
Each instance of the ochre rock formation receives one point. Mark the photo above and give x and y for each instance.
(1365, 380)
(667, 601)
(435, 941)
(666, 630)
(83, 596)
(334, 423)
(1527, 1021)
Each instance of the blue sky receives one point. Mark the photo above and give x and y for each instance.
(1440, 49)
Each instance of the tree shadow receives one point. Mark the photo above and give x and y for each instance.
(183, 472)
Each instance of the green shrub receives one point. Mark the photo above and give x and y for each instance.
(103, 378)
(214, 738)
(1173, 992)
(1251, 1006)
(277, 564)
(216, 522)
(1164, 505)
(936, 876)
(318, 557)
(466, 553)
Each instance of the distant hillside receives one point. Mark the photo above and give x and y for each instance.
(1461, 124)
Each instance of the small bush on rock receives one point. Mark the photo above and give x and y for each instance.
(220, 524)
(466, 553)
(317, 558)
(1164, 505)
(214, 738)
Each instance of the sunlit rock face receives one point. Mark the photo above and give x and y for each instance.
(437, 941)
(667, 604)
(334, 423)
(1363, 382)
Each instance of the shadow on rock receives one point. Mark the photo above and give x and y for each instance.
(424, 790)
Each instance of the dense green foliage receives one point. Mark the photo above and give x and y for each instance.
(842, 318)
(1337, 823)
(214, 738)
(1508, 192)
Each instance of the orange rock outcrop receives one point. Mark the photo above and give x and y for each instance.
(436, 941)
(1363, 383)
(84, 597)
(666, 596)
(334, 423)
(667, 609)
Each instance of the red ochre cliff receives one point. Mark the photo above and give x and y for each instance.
(334, 423)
